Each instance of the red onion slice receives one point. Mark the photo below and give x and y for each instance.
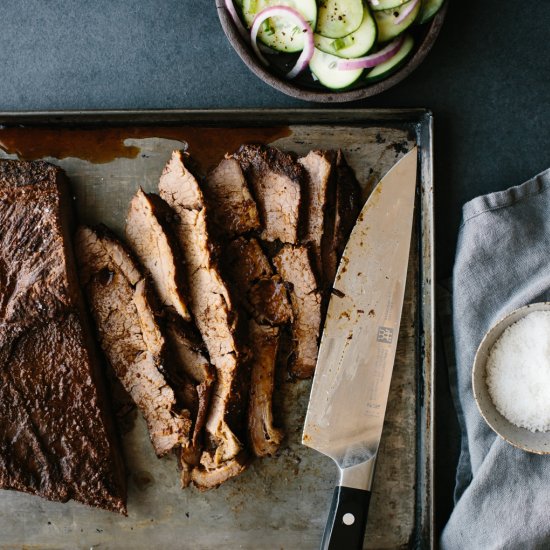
(242, 30)
(406, 12)
(284, 11)
(237, 20)
(372, 60)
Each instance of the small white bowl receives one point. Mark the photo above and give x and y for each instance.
(533, 442)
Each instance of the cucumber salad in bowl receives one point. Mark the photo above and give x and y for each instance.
(337, 43)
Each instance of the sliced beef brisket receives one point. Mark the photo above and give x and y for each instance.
(149, 230)
(347, 207)
(261, 291)
(191, 354)
(321, 183)
(276, 181)
(234, 211)
(150, 237)
(209, 478)
(264, 437)
(265, 297)
(129, 334)
(262, 295)
(188, 350)
(216, 319)
(294, 265)
(57, 438)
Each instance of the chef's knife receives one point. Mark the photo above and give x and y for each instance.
(350, 389)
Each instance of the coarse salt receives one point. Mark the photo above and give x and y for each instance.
(518, 372)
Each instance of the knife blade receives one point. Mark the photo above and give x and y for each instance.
(350, 388)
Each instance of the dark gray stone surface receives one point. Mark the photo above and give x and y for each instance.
(487, 81)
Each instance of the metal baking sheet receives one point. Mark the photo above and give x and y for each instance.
(280, 502)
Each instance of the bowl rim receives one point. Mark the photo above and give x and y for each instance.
(328, 96)
(480, 362)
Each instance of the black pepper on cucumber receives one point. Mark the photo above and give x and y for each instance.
(341, 42)
(355, 44)
(280, 33)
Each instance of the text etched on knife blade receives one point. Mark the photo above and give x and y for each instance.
(385, 335)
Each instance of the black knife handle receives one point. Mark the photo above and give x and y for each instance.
(347, 519)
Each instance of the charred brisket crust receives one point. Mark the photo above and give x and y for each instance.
(42, 399)
(259, 157)
(37, 174)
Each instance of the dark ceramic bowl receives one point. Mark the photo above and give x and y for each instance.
(304, 87)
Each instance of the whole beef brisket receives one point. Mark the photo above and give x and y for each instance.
(129, 334)
(57, 438)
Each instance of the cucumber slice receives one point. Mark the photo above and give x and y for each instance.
(385, 69)
(356, 44)
(429, 9)
(387, 29)
(280, 33)
(323, 66)
(387, 4)
(338, 18)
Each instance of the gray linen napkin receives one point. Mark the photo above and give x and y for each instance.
(502, 497)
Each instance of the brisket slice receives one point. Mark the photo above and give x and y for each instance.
(152, 241)
(264, 437)
(321, 169)
(57, 438)
(206, 479)
(215, 316)
(189, 351)
(191, 354)
(276, 181)
(294, 265)
(129, 334)
(264, 296)
(347, 207)
(234, 211)
(262, 292)
(149, 231)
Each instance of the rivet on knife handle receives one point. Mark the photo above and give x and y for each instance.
(347, 520)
